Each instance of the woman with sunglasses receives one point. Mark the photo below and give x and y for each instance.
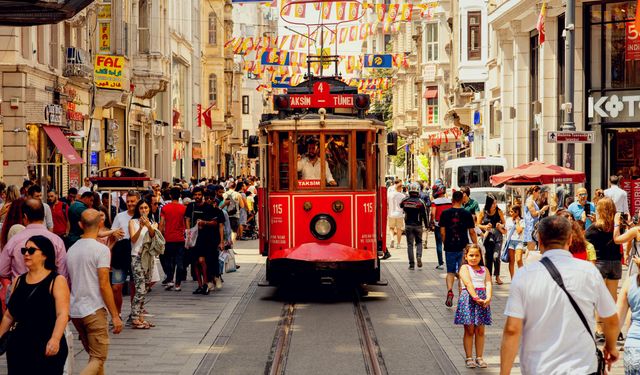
(38, 311)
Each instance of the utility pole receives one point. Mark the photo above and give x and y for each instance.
(568, 159)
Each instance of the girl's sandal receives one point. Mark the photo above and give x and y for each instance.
(481, 363)
(470, 363)
(137, 324)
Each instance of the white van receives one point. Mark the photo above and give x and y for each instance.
(474, 172)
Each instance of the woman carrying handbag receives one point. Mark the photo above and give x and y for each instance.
(38, 312)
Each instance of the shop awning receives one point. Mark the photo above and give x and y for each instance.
(63, 145)
(431, 93)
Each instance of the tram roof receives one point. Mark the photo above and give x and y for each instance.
(311, 121)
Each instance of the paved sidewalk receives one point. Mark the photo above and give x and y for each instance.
(426, 288)
(186, 325)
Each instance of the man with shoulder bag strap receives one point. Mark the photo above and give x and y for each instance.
(550, 311)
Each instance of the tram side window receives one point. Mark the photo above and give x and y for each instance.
(337, 156)
(361, 160)
(283, 160)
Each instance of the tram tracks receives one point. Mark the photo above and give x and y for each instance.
(371, 353)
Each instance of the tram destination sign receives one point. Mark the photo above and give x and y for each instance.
(570, 137)
(321, 97)
(315, 101)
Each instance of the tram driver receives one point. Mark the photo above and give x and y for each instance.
(309, 164)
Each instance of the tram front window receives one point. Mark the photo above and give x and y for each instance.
(336, 163)
(337, 156)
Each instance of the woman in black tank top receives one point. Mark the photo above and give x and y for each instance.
(491, 221)
(38, 310)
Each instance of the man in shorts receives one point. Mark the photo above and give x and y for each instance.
(121, 251)
(456, 227)
(395, 219)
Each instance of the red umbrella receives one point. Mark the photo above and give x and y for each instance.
(538, 173)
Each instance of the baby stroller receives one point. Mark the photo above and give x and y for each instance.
(250, 231)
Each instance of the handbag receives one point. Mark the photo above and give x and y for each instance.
(6, 337)
(548, 264)
(191, 234)
(504, 255)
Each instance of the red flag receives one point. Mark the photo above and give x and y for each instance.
(207, 117)
(199, 112)
(540, 24)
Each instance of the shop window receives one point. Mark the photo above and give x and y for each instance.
(213, 28)
(473, 36)
(245, 104)
(614, 44)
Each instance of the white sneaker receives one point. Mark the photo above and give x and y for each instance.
(218, 283)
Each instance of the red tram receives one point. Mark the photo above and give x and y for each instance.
(322, 207)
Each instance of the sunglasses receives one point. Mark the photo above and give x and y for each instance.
(29, 250)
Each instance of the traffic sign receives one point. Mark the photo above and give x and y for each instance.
(570, 137)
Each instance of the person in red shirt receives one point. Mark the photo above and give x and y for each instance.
(172, 227)
(60, 214)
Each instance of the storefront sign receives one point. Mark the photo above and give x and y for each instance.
(104, 11)
(108, 72)
(72, 115)
(612, 106)
(105, 36)
(53, 114)
(570, 137)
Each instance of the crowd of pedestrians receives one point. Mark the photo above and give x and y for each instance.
(72, 258)
(565, 257)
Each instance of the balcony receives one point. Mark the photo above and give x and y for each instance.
(150, 74)
(77, 65)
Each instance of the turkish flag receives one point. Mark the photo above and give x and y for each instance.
(199, 111)
(207, 117)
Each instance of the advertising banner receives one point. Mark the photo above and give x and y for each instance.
(378, 61)
(108, 72)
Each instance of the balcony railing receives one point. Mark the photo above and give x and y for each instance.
(77, 64)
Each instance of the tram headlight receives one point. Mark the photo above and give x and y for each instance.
(323, 227)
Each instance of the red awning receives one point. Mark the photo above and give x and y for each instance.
(431, 93)
(63, 145)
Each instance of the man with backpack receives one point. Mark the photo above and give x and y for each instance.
(232, 204)
(60, 214)
(415, 219)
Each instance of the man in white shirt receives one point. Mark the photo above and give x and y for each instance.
(617, 195)
(121, 252)
(309, 165)
(86, 186)
(88, 263)
(554, 339)
(395, 214)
